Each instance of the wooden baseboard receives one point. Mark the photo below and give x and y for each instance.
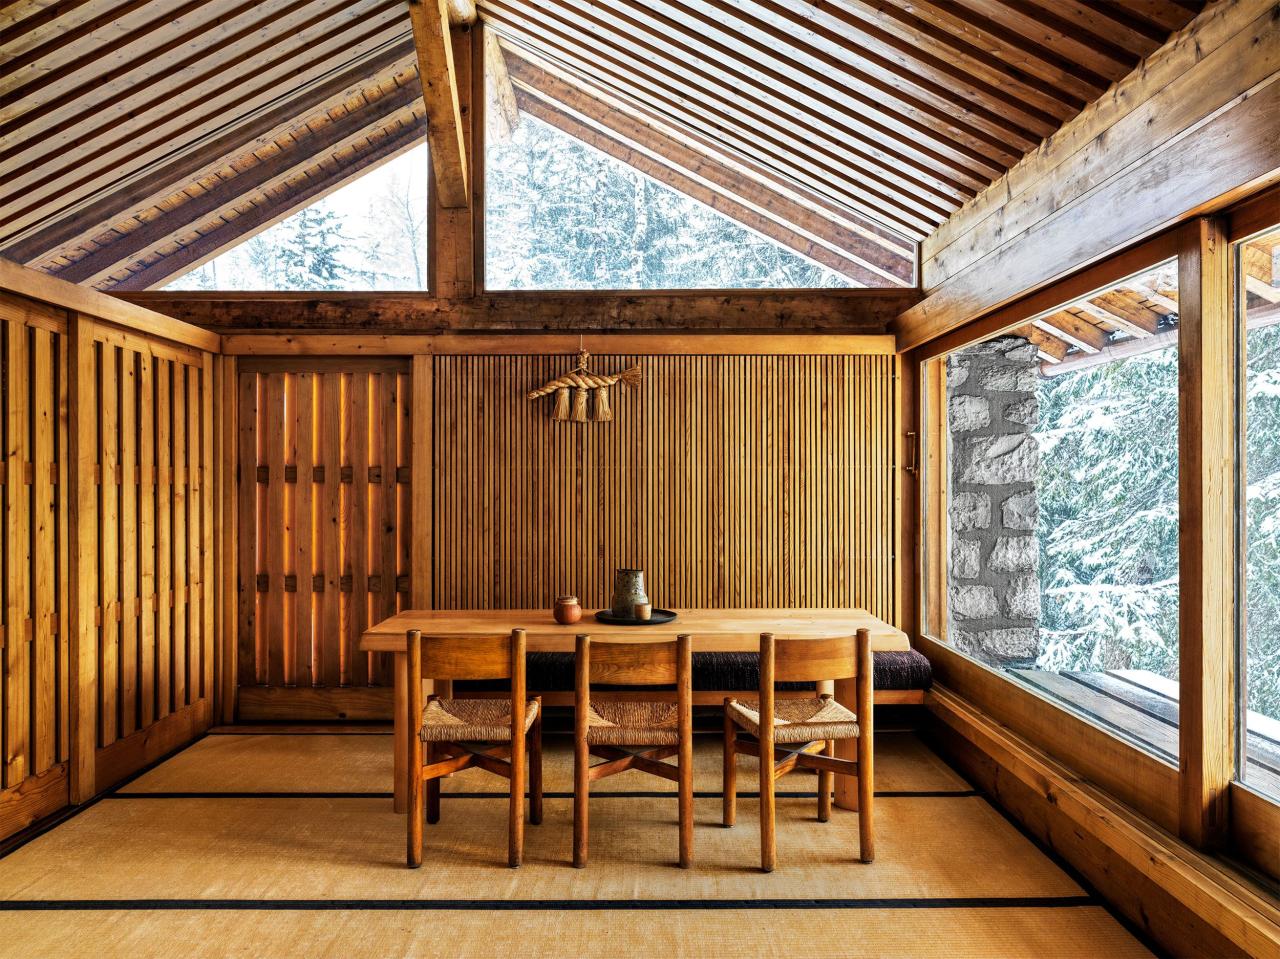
(1187, 902)
(126, 756)
(33, 799)
(264, 704)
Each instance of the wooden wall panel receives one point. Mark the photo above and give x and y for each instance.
(324, 545)
(33, 720)
(154, 533)
(732, 480)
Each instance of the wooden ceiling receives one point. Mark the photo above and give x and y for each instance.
(138, 139)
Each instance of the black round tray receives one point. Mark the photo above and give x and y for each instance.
(656, 617)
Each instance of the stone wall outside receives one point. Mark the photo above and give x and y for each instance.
(993, 580)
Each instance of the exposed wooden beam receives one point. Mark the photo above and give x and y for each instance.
(1197, 128)
(432, 39)
(1118, 320)
(1155, 296)
(320, 183)
(307, 149)
(79, 221)
(503, 115)
(1260, 273)
(1050, 348)
(728, 311)
(869, 261)
(461, 12)
(1073, 329)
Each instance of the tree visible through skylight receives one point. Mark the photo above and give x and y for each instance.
(560, 215)
(369, 235)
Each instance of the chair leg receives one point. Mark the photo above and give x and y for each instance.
(414, 844)
(685, 783)
(535, 770)
(432, 787)
(515, 815)
(768, 846)
(826, 779)
(729, 782)
(581, 795)
(866, 800)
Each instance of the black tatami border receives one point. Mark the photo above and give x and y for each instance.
(538, 905)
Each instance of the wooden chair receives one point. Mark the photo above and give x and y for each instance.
(602, 728)
(454, 733)
(801, 733)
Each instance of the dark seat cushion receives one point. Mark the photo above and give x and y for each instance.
(553, 672)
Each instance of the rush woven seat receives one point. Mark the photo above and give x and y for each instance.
(472, 720)
(633, 724)
(798, 720)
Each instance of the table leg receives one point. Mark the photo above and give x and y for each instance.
(846, 693)
(400, 735)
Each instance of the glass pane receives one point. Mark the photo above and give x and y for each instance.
(560, 215)
(1062, 490)
(370, 234)
(1259, 283)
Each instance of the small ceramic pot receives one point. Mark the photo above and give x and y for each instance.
(643, 610)
(567, 611)
(628, 590)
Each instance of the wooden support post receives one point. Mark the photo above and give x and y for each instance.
(443, 93)
(453, 265)
(228, 520)
(83, 554)
(1206, 452)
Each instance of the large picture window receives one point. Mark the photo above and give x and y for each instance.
(1060, 479)
(1258, 293)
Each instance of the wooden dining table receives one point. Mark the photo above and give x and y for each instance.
(713, 631)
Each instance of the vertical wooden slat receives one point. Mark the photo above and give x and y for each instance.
(358, 541)
(329, 529)
(208, 589)
(17, 540)
(128, 420)
(247, 651)
(303, 525)
(272, 521)
(178, 494)
(147, 539)
(64, 493)
(164, 542)
(227, 524)
(45, 701)
(194, 502)
(109, 549)
(82, 556)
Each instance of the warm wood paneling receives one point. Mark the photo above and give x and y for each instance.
(154, 530)
(34, 718)
(324, 481)
(732, 480)
(106, 411)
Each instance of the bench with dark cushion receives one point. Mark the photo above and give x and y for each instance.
(903, 673)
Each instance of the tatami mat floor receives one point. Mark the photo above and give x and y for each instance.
(268, 844)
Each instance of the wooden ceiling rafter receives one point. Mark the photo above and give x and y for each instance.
(680, 133)
(70, 170)
(255, 214)
(720, 75)
(868, 261)
(1075, 330)
(433, 40)
(764, 139)
(82, 221)
(909, 105)
(99, 97)
(1050, 348)
(307, 148)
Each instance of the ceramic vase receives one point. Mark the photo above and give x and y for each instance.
(628, 591)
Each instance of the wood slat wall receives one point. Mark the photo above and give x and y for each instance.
(324, 541)
(155, 531)
(732, 480)
(34, 719)
(107, 497)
